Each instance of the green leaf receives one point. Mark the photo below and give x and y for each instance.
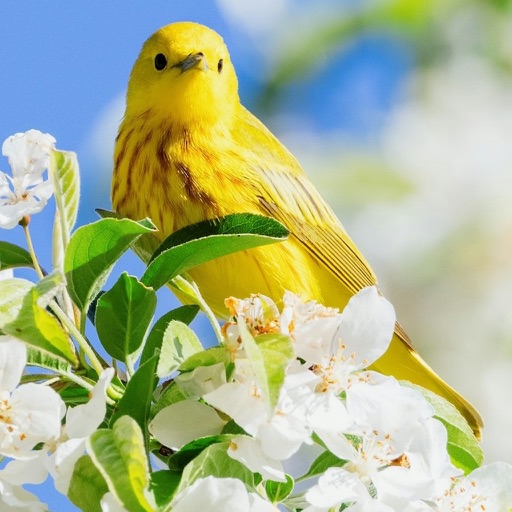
(66, 185)
(233, 428)
(73, 394)
(36, 357)
(463, 447)
(13, 256)
(136, 401)
(12, 293)
(144, 246)
(277, 353)
(163, 485)
(123, 315)
(207, 357)
(279, 491)
(87, 485)
(25, 317)
(92, 251)
(269, 355)
(179, 342)
(63, 170)
(322, 463)
(190, 451)
(234, 224)
(207, 240)
(120, 456)
(155, 338)
(109, 214)
(215, 461)
(49, 287)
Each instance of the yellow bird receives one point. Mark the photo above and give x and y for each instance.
(187, 150)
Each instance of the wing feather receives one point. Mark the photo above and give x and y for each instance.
(303, 211)
(285, 193)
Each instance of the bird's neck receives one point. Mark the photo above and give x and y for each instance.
(201, 131)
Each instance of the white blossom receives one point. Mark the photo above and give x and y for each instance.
(487, 488)
(282, 431)
(427, 472)
(249, 452)
(336, 486)
(394, 448)
(338, 347)
(202, 379)
(260, 314)
(81, 422)
(29, 413)
(341, 344)
(220, 495)
(26, 192)
(29, 470)
(60, 453)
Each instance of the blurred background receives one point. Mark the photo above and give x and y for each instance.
(399, 110)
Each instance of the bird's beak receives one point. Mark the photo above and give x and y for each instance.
(194, 60)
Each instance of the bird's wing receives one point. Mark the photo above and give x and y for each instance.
(303, 211)
(284, 192)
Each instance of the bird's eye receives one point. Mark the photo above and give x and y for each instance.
(160, 61)
(220, 64)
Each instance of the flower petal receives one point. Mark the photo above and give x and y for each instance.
(219, 495)
(28, 471)
(367, 326)
(336, 486)
(13, 358)
(36, 411)
(241, 403)
(62, 462)
(248, 451)
(16, 499)
(83, 420)
(28, 152)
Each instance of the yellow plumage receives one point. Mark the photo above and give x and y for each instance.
(187, 150)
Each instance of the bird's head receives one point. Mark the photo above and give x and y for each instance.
(183, 74)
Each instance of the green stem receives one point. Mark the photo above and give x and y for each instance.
(84, 345)
(87, 385)
(191, 289)
(86, 349)
(24, 223)
(73, 377)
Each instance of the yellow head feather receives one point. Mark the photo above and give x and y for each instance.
(184, 72)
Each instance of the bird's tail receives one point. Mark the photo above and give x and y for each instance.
(404, 363)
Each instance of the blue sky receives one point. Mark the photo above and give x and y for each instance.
(64, 61)
(64, 64)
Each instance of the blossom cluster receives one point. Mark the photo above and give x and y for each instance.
(389, 449)
(38, 435)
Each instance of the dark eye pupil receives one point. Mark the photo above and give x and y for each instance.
(219, 65)
(160, 61)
